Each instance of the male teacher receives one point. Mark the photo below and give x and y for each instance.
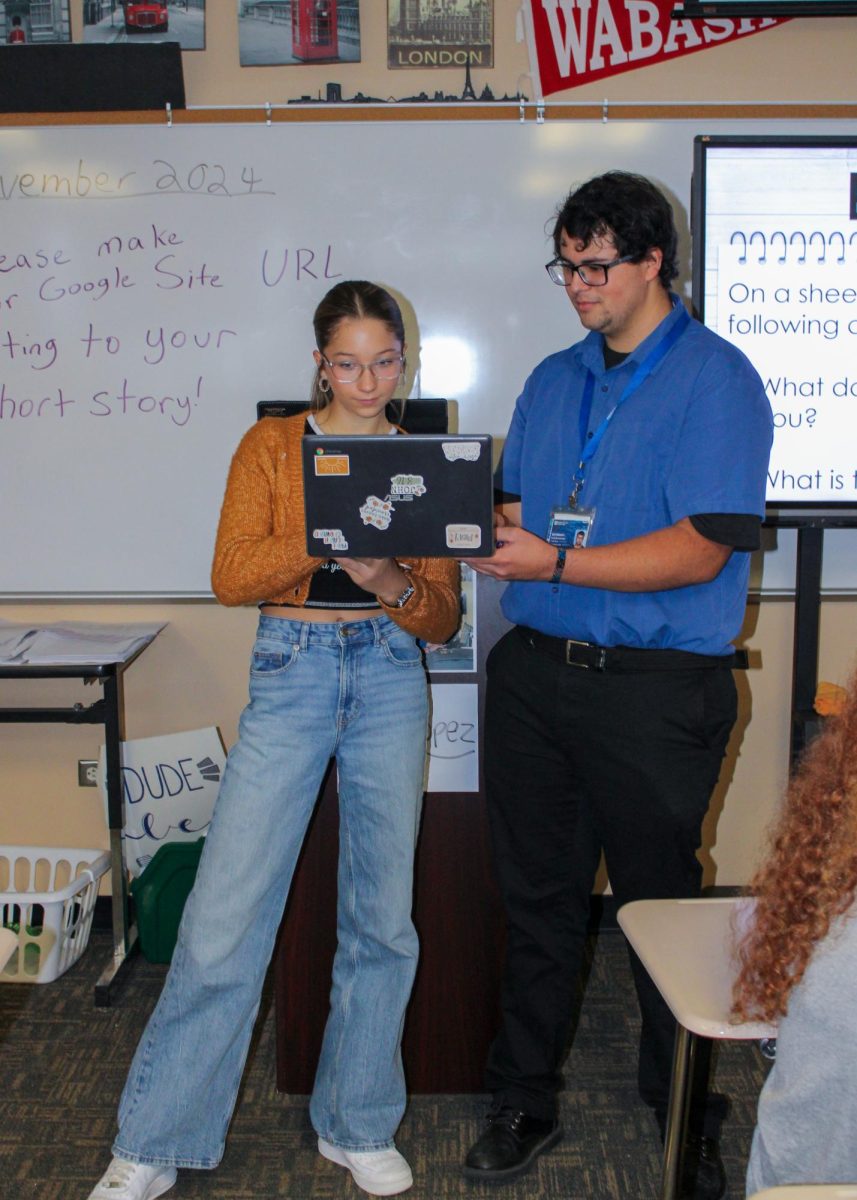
(632, 489)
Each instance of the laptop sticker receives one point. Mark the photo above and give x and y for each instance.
(455, 450)
(331, 537)
(463, 537)
(331, 464)
(405, 487)
(377, 512)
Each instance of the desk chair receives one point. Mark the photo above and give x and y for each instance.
(8, 945)
(686, 946)
(810, 1191)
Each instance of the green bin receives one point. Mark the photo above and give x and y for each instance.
(159, 896)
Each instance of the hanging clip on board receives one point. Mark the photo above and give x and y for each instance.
(540, 112)
(522, 111)
(169, 115)
(267, 112)
(605, 107)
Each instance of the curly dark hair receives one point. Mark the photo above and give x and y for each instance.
(629, 210)
(810, 874)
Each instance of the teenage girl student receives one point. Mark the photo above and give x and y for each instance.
(799, 967)
(335, 672)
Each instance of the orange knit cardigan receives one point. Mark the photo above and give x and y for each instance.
(260, 552)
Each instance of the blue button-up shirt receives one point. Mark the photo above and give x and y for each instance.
(693, 438)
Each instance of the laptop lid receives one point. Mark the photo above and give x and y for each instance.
(420, 495)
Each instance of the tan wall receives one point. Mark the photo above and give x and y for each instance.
(195, 673)
(804, 60)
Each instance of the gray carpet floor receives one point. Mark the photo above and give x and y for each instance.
(63, 1062)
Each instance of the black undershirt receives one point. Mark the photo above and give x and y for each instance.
(741, 531)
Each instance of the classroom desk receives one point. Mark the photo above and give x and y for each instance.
(108, 711)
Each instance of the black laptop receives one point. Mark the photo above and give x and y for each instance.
(416, 495)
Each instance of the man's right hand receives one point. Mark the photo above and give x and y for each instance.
(519, 555)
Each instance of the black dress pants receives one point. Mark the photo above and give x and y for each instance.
(578, 761)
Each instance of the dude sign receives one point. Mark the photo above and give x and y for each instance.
(580, 41)
(169, 785)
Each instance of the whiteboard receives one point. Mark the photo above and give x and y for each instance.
(156, 282)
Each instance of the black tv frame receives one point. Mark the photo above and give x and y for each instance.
(785, 513)
(809, 518)
(703, 10)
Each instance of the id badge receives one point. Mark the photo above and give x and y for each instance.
(570, 527)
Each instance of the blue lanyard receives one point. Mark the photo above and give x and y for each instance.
(643, 371)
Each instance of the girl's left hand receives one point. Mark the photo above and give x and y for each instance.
(383, 577)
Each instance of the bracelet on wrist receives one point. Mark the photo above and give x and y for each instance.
(560, 565)
(402, 599)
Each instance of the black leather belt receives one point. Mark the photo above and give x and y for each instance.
(591, 657)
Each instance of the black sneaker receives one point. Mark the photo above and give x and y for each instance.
(510, 1144)
(702, 1175)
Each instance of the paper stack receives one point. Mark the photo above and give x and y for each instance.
(73, 642)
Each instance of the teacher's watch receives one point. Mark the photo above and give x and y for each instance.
(402, 600)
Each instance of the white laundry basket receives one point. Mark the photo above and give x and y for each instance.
(47, 898)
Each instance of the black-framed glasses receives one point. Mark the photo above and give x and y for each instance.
(593, 274)
(348, 370)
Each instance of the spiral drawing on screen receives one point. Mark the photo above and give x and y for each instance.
(797, 246)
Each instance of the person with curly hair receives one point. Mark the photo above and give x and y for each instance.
(798, 966)
(610, 701)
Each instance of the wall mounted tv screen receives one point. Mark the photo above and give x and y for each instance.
(735, 9)
(774, 222)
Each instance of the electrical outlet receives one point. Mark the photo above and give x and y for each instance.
(87, 773)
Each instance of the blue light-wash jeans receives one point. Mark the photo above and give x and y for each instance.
(356, 691)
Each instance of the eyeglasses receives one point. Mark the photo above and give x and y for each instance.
(346, 370)
(562, 271)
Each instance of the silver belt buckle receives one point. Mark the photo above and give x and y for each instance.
(569, 661)
(600, 662)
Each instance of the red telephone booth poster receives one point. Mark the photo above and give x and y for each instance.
(279, 32)
(314, 32)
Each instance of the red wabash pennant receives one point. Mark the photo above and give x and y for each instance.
(580, 41)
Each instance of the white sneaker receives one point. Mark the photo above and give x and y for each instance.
(125, 1180)
(378, 1172)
